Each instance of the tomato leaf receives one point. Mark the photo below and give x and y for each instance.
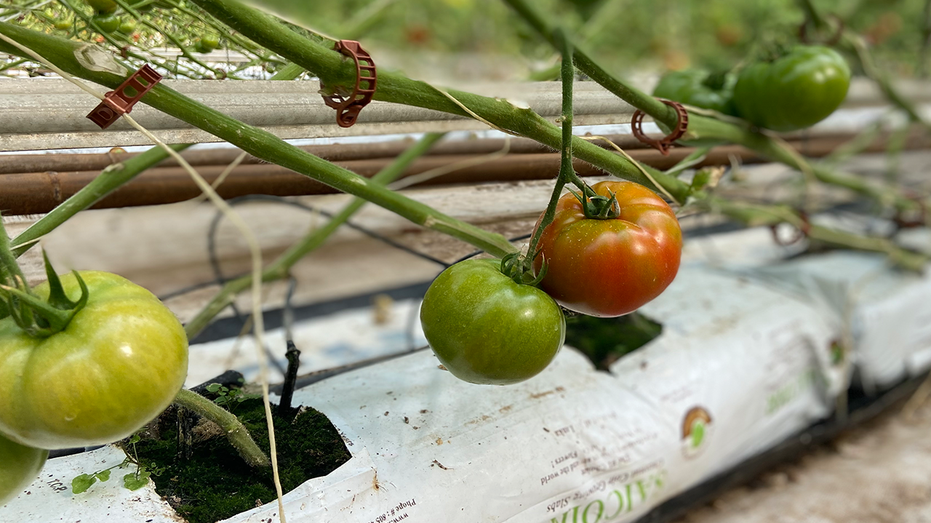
(136, 480)
(82, 482)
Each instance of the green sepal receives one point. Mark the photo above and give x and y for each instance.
(519, 268)
(38, 318)
(56, 293)
(598, 207)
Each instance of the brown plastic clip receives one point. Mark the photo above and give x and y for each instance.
(121, 101)
(347, 109)
(663, 144)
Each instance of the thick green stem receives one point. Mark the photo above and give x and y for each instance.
(566, 172)
(812, 14)
(757, 215)
(289, 72)
(705, 127)
(235, 431)
(262, 144)
(106, 182)
(335, 69)
(279, 268)
(646, 103)
(9, 269)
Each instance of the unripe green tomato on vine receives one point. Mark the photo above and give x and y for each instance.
(107, 23)
(19, 466)
(795, 91)
(486, 329)
(699, 88)
(210, 40)
(118, 363)
(103, 6)
(63, 25)
(128, 26)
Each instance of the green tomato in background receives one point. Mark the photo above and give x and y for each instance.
(19, 466)
(128, 26)
(210, 41)
(699, 88)
(487, 329)
(795, 91)
(103, 6)
(107, 23)
(63, 25)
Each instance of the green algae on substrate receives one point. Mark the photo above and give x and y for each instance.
(605, 340)
(215, 483)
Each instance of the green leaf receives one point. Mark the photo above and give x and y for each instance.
(136, 480)
(213, 387)
(103, 475)
(81, 483)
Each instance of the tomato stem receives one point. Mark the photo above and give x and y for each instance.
(279, 268)
(235, 431)
(335, 70)
(758, 214)
(263, 144)
(110, 179)
(566, 173)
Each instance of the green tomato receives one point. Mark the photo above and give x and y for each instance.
(19, 466)
(200, 47)
(62, 25)
(210, 40)
(487, 329)
(118, 363)
(794, 91)
(127, 26)
(107, 23)
(699, 88)
(103, 6)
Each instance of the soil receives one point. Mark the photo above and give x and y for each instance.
(214, 483)
(877, 473)
(605, 340)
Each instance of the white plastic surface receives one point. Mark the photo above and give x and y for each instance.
(886, 312)
(745, 365)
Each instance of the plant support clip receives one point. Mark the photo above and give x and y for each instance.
(663, 144)
(348, 108)
(121, 101)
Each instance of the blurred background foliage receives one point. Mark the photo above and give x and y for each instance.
(624, 35)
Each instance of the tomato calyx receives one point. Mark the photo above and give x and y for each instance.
(598, 207)
(38, 318)
(519, 268)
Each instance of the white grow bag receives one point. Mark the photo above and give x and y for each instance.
(738, 368)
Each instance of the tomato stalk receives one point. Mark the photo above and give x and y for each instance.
(336, 70)
(279, 268)
(262, 144)
(520, 269)
(758, 214)
(110, 179)
(701, 126)
(235, 431)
